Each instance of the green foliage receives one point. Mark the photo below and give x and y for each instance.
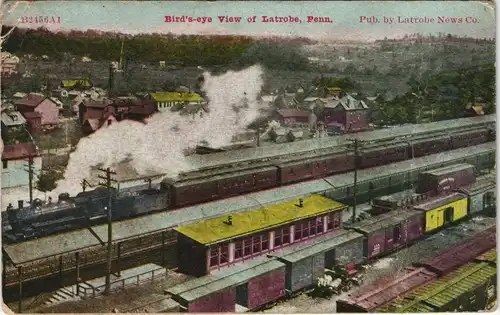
(47, 180)
(274, 56)
(439, 97)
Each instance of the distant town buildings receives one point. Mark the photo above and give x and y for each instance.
(9, 64)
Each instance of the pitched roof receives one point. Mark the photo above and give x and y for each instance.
(19, 151)
(13, 119)
(32, 100)
(348, 103)
(76, 83)
(29, 115)
(293, 113)
(176, 97)
(96, 104)
(254, 221)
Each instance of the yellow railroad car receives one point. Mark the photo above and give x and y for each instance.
(444, 210)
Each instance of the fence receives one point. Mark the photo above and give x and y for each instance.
(87, 290)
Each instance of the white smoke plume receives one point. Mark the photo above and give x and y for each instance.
(159, 145)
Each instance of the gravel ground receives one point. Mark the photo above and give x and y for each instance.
(138, 296)
(388, 265)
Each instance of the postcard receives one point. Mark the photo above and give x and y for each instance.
(248, 156)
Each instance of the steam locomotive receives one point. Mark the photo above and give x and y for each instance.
(88, 208)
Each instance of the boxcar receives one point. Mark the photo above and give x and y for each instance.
(389, 232)
(482, 195)
(469, 288)
(371, 297)
(446, 179)
(248, 286)
(461, 253)
(307, 261)
(443, 210)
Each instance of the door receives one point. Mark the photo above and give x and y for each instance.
(396, 237)
(448, 215)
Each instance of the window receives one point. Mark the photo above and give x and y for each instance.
(238, 250)
(4, 164)
(333, 222)
(214, 256)
(281, 237)
(219, 255)
(109, 122)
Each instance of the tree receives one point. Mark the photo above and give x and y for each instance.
(47, 180)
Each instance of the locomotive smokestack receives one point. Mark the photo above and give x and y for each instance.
(301, 203)
(20, 204)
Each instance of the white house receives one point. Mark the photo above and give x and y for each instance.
(15, 163)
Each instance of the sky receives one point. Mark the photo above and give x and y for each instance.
(149, 17)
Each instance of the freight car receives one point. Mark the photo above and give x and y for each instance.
(470, 288)
(446, 178)
(373, 297)
(283, 272)
(206, 186)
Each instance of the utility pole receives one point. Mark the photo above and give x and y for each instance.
(30, 176)
(107, 184)
(355, 187)
(84, 183)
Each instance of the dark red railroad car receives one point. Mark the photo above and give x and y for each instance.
(262, 289)
(191, 191)
(470, 138)
(217, 302)
(370, 298)
(446, 179)
(461, 253)
(294, 171)
(371, 157)
(390, 232)
(425, 147)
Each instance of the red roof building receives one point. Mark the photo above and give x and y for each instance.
(14, 162)
(292, 116)
(48, 110)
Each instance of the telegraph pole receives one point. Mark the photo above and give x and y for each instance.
(355, 187)
(84, 183)
(107, 184)
(30, 176)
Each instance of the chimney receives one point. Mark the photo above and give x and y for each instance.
(229, 220)
(301, 203)
(20, 204)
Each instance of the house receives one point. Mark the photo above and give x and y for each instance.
(34, 120)
(288, 117)
(46, 107)
(91, 125)
(15, 161)
(19, 95)
(268, 99)
(12, 120)
(80, 84)
(93, 114)
(472, 110)
(13, 127)
(165, 100)
(9, 64)
(91, 109)
(346, 114)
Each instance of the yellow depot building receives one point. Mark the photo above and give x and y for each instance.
(443, 210)
(223, 241)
